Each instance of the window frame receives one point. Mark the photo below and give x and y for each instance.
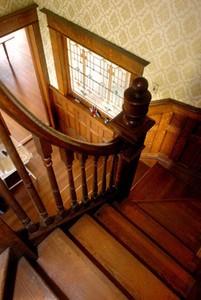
(61, 28)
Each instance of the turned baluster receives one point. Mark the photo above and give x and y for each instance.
(82, 160)
(45, 151)
(46, 220)
(68, 158)
(95, 178)
(113, 171)
(12, 202)
(103, 189)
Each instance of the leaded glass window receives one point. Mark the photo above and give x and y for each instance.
(96, 79)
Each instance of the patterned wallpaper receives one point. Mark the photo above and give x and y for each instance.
(167, 33)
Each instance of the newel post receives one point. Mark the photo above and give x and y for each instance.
(132, 125)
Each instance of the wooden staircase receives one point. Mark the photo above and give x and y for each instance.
(147, 247)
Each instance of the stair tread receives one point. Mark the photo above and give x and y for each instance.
(156, 232)
(159, 183)
(29, 284)
(153, 256)
(4, 260)
(178, 219)
(132, 275)
(72, 271)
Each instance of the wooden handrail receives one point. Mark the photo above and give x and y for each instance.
(14, 109)
(119, 158)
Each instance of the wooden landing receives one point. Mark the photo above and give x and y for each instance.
(160, 184)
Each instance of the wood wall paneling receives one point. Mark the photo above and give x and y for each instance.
(75, 119)
(184, 135)
(176, 136)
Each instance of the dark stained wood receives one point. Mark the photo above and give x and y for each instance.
(68, 158)
(15, 206)
(183, 137)
(141, 246)
(136, 102)
(159, 184)
(8, 239)
(112, 182)
(72, 271)
(103, 189)
(45, 151)
(142, 169)
(82, 160)
(29, 284)
(126, 270)
(95, 178)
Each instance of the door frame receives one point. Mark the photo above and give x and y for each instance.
(27, 18)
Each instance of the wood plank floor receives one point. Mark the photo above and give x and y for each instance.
(19, 76)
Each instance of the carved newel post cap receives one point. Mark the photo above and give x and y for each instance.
(136, 102)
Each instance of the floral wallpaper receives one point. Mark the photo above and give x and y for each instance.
(167, 33)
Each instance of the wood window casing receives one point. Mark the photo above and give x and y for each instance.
(60, 29)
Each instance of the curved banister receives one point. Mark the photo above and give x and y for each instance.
(111, 166)
(10, 104)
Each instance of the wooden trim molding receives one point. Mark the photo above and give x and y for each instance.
(110, 51)
(18, 19)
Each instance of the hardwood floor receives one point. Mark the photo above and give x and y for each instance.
(19, 76)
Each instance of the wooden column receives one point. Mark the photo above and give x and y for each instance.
(132, 125)
(68, 158)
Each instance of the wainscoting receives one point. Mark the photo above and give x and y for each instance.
(175, 138)
(74, 119)
(176, 135)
